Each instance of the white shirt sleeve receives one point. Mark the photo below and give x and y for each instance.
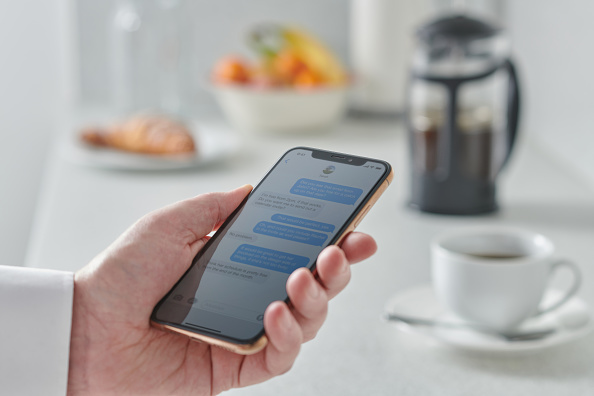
(35, 321)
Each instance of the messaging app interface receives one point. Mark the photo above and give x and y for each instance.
(294, 213)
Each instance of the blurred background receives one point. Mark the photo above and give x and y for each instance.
(57, 59)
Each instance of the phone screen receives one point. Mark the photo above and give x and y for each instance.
(301, 206)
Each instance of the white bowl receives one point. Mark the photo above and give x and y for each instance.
(281, 110)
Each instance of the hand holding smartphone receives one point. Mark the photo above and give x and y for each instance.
(310, 199)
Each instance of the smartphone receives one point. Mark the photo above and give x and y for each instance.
(310, 199)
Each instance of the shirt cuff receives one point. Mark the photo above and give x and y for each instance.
(35, 317)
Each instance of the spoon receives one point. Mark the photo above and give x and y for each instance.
(512, 336)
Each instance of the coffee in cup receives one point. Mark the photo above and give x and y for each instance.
(496, 276)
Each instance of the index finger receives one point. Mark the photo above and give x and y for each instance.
(332, 267)
(358, 246)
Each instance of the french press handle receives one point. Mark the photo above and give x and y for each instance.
(513, 107)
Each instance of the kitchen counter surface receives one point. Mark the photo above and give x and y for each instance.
(82, 210)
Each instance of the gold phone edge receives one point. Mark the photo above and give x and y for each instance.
(378, 193)
(241, 349)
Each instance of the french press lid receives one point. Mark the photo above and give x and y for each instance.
(457, 27)
(459, 46)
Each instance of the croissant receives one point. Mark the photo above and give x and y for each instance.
(147, 134)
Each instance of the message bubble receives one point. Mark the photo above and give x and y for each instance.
(290, 233)
(287, 203)
(297, 221)
(268, 258)
(236, 271)
(242, 236)
(326, 191)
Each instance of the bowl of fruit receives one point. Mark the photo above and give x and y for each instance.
(295, 84)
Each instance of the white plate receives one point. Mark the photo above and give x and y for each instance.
(573, 320)
(214, 142)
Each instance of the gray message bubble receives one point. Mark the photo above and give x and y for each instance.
(242, 236)
(231, 270)
(285, 203)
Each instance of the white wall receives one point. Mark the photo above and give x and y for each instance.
(32, 92)
(554, 44)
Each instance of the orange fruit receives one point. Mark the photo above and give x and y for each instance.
(232, 70)
(287, 66)
(307, 79)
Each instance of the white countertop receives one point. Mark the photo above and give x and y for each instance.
(82, 210)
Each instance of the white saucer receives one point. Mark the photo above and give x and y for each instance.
(573, 320)
(214, 141)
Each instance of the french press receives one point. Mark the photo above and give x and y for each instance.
(463, 108)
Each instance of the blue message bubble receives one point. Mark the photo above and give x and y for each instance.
(326, 191)
(268, 258)
(290, 233)
(305, 223)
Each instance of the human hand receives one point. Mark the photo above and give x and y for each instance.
(114, 350)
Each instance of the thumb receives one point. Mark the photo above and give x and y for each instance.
(198, 216)
(145, 261)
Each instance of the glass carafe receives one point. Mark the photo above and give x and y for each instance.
(462, 116)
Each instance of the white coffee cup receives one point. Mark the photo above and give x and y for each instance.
(496, 276)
